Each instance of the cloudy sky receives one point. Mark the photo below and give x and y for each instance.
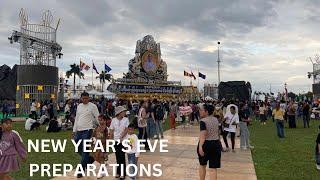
(264, 42)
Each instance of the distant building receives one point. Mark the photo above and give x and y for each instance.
(210, 90)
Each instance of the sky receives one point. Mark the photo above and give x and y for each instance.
(267, 43)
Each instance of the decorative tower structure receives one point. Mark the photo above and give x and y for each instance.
(37, 74)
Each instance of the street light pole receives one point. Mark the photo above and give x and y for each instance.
(218, 63)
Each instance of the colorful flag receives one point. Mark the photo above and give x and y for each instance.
(185, 73)
(84, 66)
(203, 76)
(107, 68)
(192, 75)
(94, 68)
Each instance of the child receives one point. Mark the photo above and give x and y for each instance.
(101, 133)
(318, 151)
(133, 155)
(10, 146)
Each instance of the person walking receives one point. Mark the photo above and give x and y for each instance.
(209, 146)
(262, 113)
(142, 123)
(278, 115)
(159, 113)
(150, 120)
(292, 115)
(244, 119)
(118, 131)
(306, 114)
(173, 115)
(85, 121)
(231, 119)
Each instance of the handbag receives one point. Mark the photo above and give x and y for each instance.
(227, 125)
(142, 122)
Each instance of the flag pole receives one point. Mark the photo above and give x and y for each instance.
(198, 78)
(80, 73)
(92, 73)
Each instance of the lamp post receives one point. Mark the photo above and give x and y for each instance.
(218, 62)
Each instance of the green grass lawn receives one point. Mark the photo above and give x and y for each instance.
(68, 157)
(290, 158)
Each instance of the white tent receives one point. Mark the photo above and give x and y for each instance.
(108, 94)
(94, 92)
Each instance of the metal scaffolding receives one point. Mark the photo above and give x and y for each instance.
(38, 51)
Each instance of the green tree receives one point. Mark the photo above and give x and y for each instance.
(103, 77)
(74, 71)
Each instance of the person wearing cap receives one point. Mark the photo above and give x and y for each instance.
(118, 131)
(86, 120)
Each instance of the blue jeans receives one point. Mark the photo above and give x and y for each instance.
(82, 135)
(280, 126)
(150, 128)
(132, 160)
(159, 128)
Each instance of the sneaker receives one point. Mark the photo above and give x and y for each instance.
(233, 150)
(79, 175)
(101, 175)
(226, 150)
(251, 147)
(318, 166)
(117, 176)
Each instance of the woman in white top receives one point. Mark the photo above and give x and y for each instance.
(262, 112)
(231, 119)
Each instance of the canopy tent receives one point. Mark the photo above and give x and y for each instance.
(108, 94)
(94, 92)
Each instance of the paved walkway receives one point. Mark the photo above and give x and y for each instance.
(181, 161)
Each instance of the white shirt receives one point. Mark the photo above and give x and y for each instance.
(118, 126)
(33, 107)
(67, 108)
(133, 141)
(86, 117)
(28, 124)
(231, 119)
(42, 118)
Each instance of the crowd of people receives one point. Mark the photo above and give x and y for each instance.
(117, 119)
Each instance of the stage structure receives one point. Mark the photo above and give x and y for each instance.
(37, 74)
(147, 76)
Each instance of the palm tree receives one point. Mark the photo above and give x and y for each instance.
(103, 76)
(75, 71)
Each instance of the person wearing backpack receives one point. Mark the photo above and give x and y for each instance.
(159, 115)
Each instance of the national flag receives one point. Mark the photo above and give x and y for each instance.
(84, 66)
(94, 68)
(107, 68)
(192, 75)
(203, 76)
(185, 73)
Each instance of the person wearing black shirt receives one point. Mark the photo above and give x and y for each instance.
(306, 114)
(318, 151)
(150, 120)
(244, 132)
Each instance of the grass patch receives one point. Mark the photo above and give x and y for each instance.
(289, 158)
(68, 157)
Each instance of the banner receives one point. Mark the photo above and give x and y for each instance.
(136, 88)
